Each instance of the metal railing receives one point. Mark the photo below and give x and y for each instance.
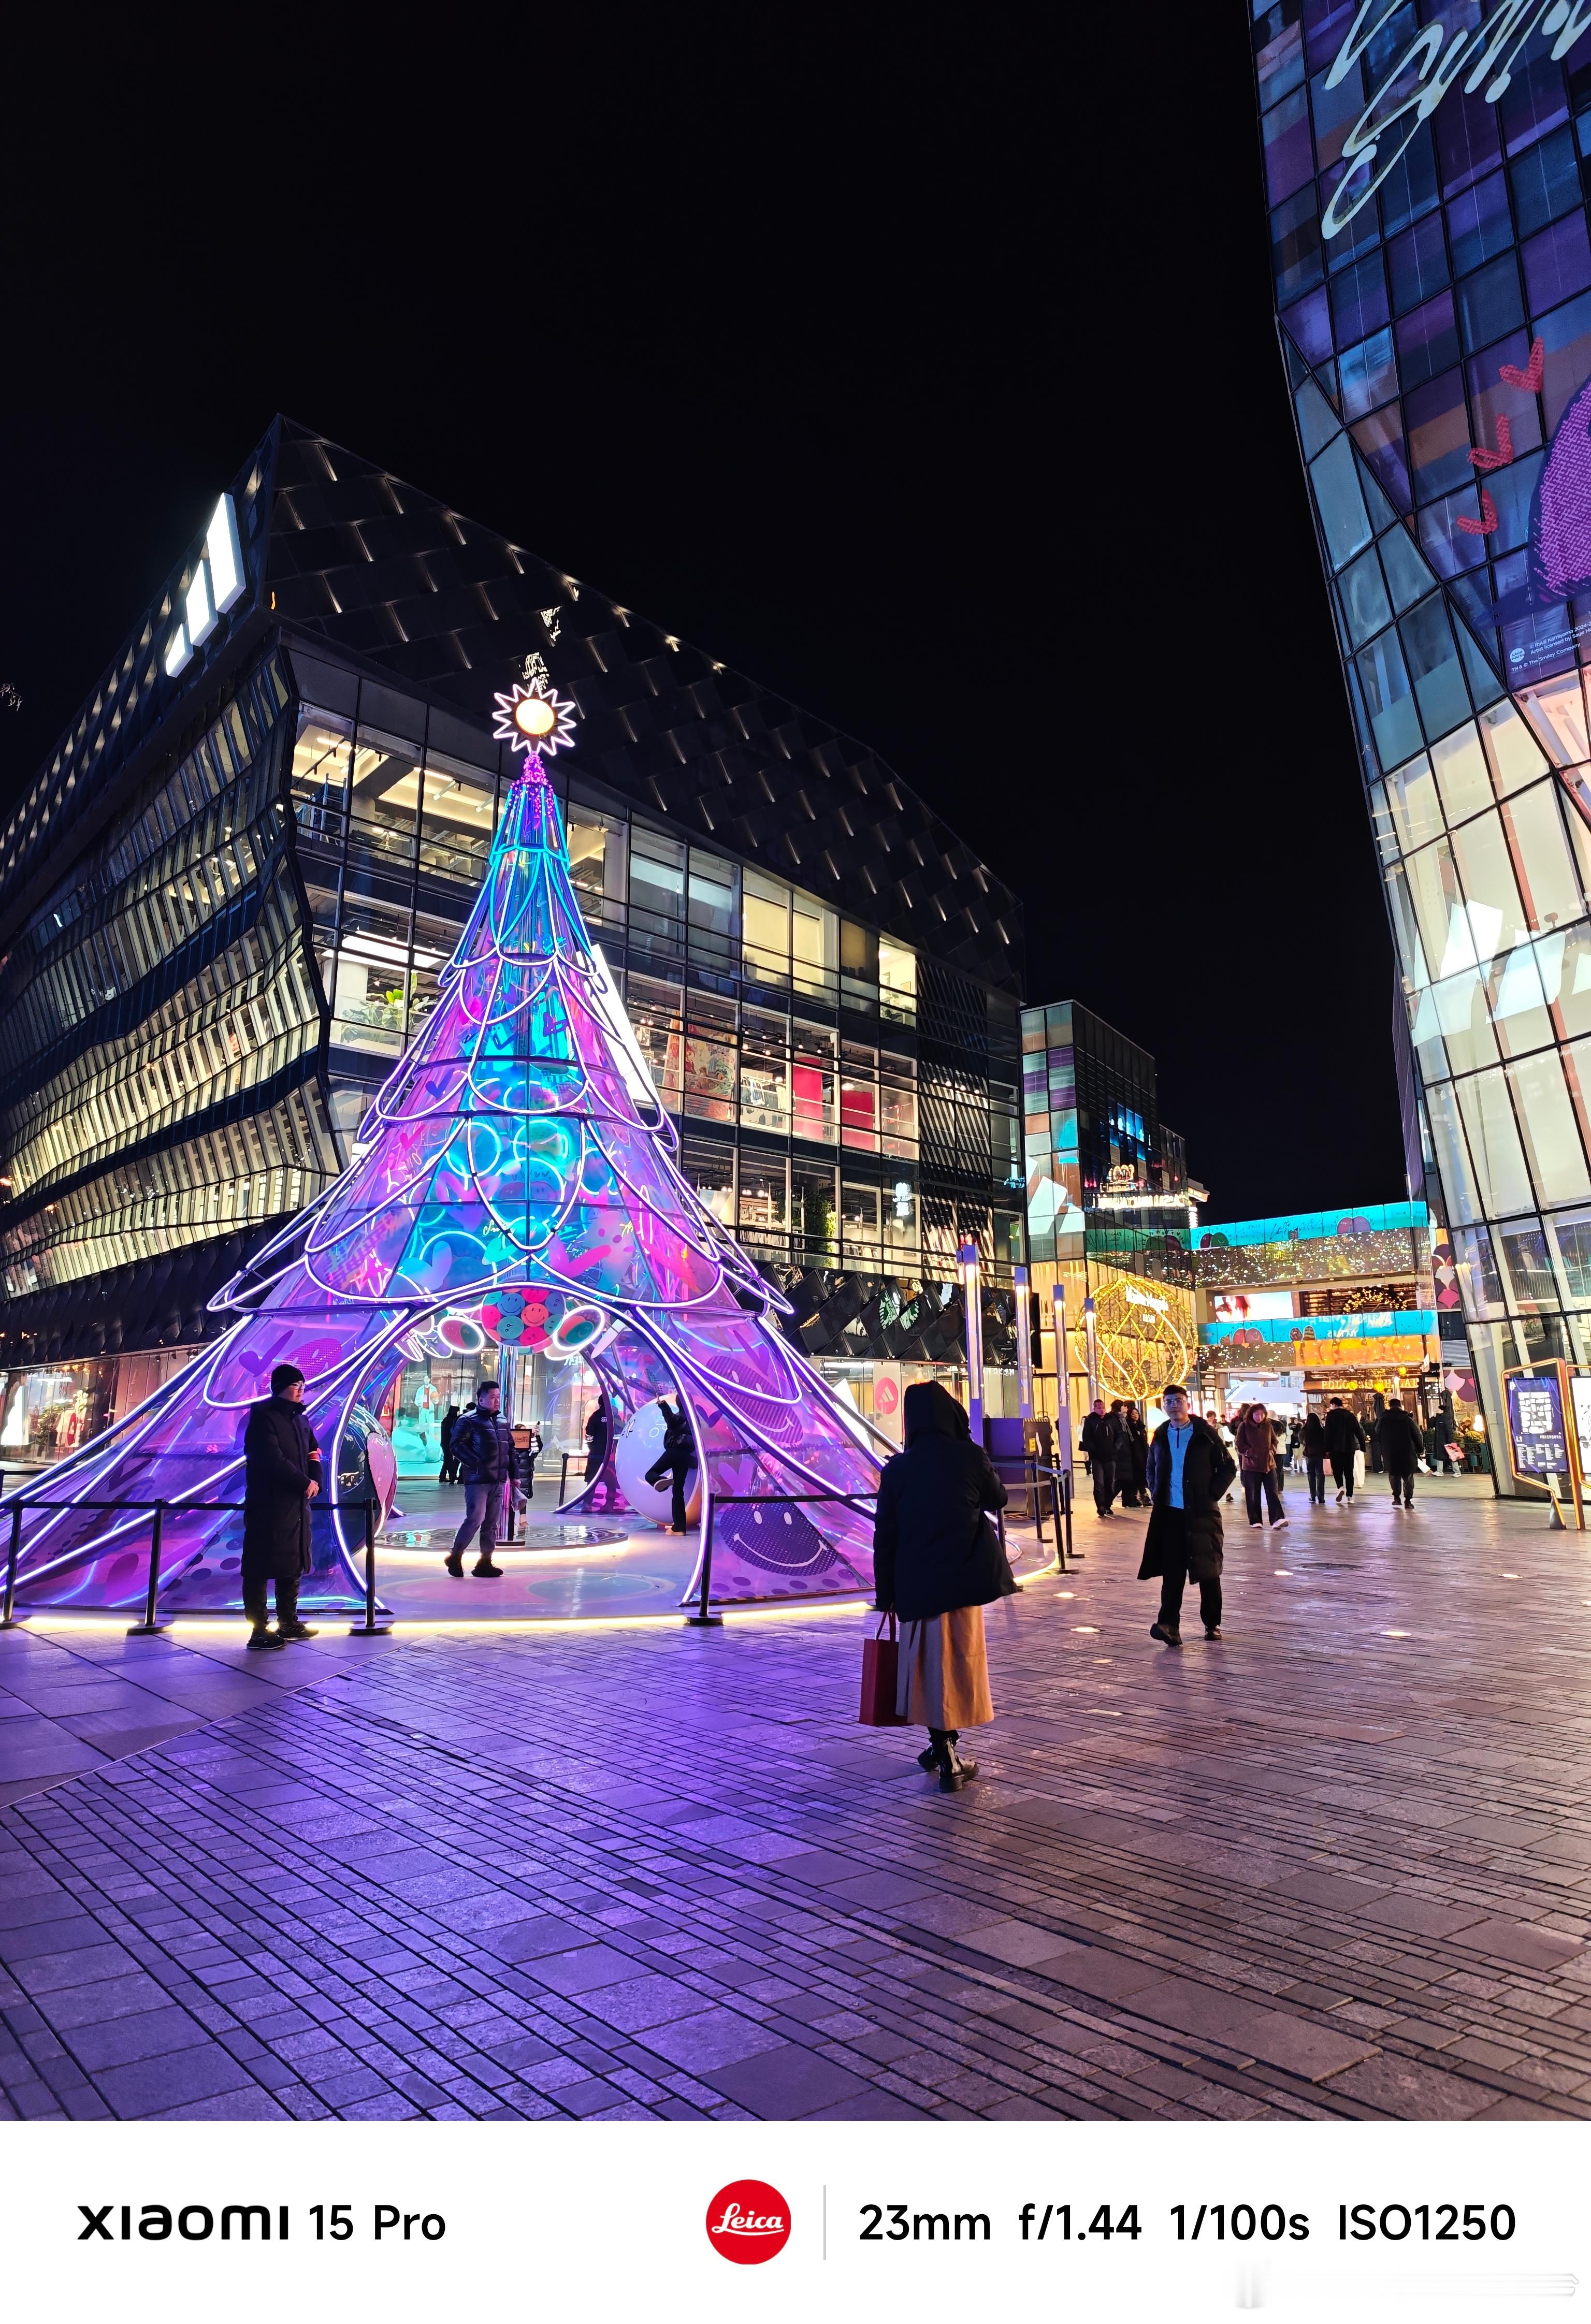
(703, 1619)
(179, 1505)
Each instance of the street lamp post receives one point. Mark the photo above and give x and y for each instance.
(972, 1301)
(1024, 1344)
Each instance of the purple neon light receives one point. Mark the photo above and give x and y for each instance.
(518, 1153)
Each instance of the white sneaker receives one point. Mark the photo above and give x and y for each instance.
(1276, 1523)
(1255, 1525)
(1339, 1497)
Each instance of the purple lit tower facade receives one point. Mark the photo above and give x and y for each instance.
(1425, 181)
(518, 1179)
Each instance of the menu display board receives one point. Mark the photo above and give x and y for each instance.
(1538, 1439)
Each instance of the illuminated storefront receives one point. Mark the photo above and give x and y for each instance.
(1297, 1309)
(295, 791)
(1426, 188)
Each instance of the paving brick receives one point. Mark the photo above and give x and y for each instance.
(1289, 1871)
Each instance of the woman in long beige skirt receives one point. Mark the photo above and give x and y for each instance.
(936, 1563)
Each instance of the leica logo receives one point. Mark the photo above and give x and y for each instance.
(748, 2221)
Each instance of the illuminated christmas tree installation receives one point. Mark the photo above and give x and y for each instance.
(518, 1186)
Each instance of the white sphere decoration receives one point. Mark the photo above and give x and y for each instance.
(640, 1442)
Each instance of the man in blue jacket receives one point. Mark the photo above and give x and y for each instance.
(1189, 1470)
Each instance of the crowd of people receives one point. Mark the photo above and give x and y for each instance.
(938, 1560)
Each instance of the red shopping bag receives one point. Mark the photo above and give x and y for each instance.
(881, 1666)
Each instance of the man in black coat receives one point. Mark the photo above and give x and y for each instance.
(1101, 1440)
(483, 1446)
(1189, 1470)
(676, 1458)
(281, 1476)
(597, 1434)
(1401, 1444)
(1343, 1438)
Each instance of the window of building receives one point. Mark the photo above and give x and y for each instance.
(764, 1200)
(897, 1105)
(710, 1059)
(456, 818)
(384, 802)
(764, 1071)
(596, 851)
(322, 763)
(858, 1097)
(712, 910)
(813, 1221)
(814, 1111)
(897, 979)
(657, 891)
(860, 1241)
(814, 944)
(710, 1169)
(764, 907)
(654, 1010)
(900, 1242)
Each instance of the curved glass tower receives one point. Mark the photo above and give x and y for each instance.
(1426, 180)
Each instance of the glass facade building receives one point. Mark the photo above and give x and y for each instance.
(226, 901)
(1426, 174)
(1108, 1214)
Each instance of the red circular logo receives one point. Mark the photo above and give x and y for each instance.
(748, 2221)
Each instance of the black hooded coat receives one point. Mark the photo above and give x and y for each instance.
(933, 1547)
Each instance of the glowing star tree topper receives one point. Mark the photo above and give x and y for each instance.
(536, 720)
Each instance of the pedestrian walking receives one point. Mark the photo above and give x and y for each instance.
(1256, 1464)
(1135, 1458)
(597, 1436)
(676, 1458)
(1312, 1438)
(1436, 1445)
(449, 1472)
(936, 1563)
(1343, 1438)
(1402, 1446)
(281, 1478)
(484, 1443)
(1279, 1447)
(1189, 1470)
(1101, 1440)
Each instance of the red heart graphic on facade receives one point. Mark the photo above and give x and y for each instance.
(1533, 373)
(1483, 459)
(1488, 519)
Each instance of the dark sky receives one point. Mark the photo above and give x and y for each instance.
(924, 373)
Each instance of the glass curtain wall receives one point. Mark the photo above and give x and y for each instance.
(1435, 306)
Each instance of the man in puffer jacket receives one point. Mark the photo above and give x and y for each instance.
(483, 1446)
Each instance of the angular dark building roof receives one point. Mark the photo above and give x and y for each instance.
(337, 549)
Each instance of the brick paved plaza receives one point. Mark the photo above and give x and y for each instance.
(1336, 1865)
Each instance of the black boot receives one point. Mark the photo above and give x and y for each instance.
(954, 1770)
(454, 1564)
(935, 1755)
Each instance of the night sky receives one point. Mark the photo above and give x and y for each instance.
(933, 384)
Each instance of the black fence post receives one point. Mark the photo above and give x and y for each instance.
(13, 1550)
(702, 1620)
(370, 1627)
(148, 1627)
